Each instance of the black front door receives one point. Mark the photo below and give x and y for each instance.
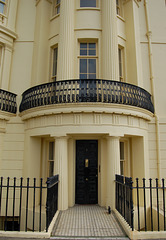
(86, 171)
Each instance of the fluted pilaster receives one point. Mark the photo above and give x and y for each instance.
(66, 41)
(1, 146)
(109, 41)
(7, 52)
(12, 15)
(40, 47)
(61, 168)
(113, 167)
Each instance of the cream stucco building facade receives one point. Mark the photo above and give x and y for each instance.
(89, 79)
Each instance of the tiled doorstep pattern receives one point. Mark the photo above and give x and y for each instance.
(87, 221)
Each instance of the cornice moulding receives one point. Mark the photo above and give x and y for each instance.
(8, 32)
(6, 116)
(84, 108)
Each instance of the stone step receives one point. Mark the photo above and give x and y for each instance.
(90, 238)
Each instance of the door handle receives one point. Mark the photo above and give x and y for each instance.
(86, 163)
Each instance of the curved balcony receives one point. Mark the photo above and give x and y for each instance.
(8, 101)
(88, 90)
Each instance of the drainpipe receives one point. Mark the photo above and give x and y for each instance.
(149, 36)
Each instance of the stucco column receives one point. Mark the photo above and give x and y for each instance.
(66, 41)
(61, 168)
(113, 167)
(109, 41)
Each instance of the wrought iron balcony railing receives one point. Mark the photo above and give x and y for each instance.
(88, 90)
(8, 101)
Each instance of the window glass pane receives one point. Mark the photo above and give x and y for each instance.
(83, 65)
(51, 168)
(1, 7)
(58, 9)
(87, 3)
(92, 76)
(83, 52)
(91, 65)
(83, 76)
(92, 52)
(92, 49)
(120, 62)
(51, 150)
(83, 49)
(83, 45)
(120, 55)
(121, 167)
(55, 57)
(92, 45)
(121, 150)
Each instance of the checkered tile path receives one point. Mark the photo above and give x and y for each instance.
(87, 221)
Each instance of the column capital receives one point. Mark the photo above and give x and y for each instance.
(56, 137)
(113, 136)
(109, 136)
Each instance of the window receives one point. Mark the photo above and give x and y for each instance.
(119, 8)
(10, 223)
(54, 63)
(56, 7)
(2, 6)
(121, 64)
(88, 58)
(51, 159)
(87, 3)
(122, 159)
(125, 165)
(47, 158)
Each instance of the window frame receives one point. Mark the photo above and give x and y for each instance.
(121, 63)
(4, 8)
(48, 157)
(44, 167)
(88, 57)
(119, 8)
(56, 6)
(126, 160)
(54, 76)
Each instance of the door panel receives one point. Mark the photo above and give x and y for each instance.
(86, 172)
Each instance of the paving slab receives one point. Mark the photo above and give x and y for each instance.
(87, 222)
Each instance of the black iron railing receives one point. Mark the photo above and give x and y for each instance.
(149, 201)
(89, 90)
(52, 199)
(8, 101)
(23, 204)
(124, 199)
(151, 197)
